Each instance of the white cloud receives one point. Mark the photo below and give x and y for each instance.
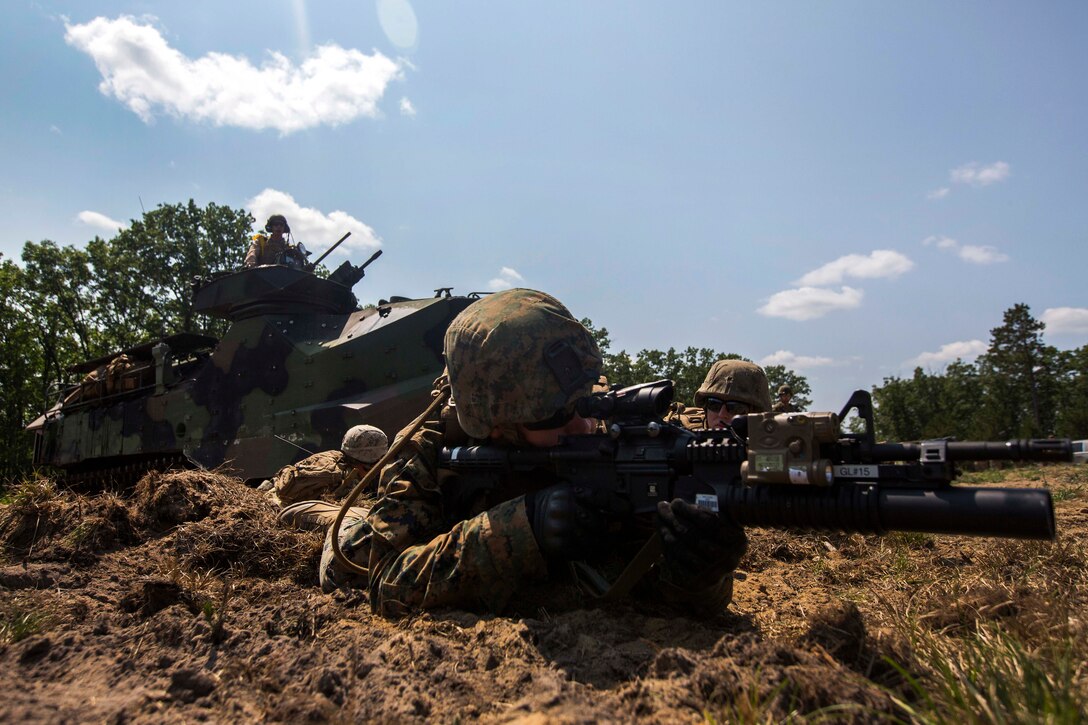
(975, 174)
(795, 362)
(808, 303)
(940, 242)
(938, 193)
(981, 254)
(332, 86)
(100, 221)
(406, 107)
(1066, 319)
(56, 130)
(881, 263)
(973, 253)
(966, 350)
(507, 279)
(314, 228)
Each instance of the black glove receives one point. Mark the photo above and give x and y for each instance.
(700, 546)
(564, 521)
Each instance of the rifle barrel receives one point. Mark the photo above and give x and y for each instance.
(1038, 449)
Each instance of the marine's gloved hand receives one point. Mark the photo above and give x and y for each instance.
(565, 522)
(700, 546)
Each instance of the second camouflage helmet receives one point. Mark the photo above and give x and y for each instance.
(277, 218)
(785, 390)
(737, 380)
(517, 356)
(365, 443)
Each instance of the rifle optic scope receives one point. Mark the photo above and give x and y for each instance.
(645, 400)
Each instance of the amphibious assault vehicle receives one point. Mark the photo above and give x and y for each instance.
(299, 364)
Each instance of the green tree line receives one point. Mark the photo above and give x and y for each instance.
(1019, 388)
(686, 368)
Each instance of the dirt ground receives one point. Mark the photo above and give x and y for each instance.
(184, 601)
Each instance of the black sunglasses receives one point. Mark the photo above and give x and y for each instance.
(715, 405)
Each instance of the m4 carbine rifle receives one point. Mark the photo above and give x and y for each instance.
(784, 470)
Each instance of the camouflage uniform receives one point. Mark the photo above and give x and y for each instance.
(427, 544)
(420, 554)
(787, 407)
(687, 416)
(332, 473)
(263, 250)
(327, 472)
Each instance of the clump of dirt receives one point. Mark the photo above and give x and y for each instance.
(187, 601)
(163, 500)
(243, 536)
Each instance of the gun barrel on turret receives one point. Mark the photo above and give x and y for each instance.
(329, 250)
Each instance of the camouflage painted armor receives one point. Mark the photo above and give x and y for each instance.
(327, 472)
(299, 364)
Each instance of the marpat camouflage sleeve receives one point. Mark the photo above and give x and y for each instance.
(418, 557)
(310, 478)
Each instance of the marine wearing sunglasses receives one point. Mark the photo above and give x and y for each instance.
(720, 413)
(732, 387)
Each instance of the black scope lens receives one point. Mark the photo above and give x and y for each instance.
(645, 400)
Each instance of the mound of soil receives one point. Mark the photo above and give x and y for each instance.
(186, 601)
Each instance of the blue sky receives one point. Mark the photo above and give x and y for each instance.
(846, 188)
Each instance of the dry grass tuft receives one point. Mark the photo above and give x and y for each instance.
(45, 522)
(243, 535)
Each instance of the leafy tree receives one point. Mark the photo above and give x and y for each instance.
(898, 408)
(20, 363)
(1020, 374)
(960, 394)
(156, 262)
(60, 304)
(780, 375)
(1072, 416)
(687, 368)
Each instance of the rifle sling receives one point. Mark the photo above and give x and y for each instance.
(598, 586)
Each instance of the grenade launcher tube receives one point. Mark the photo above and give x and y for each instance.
(874, 509)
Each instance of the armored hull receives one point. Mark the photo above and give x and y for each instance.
(299, 364)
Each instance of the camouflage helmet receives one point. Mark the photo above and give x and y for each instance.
(277, 218)
(785, 390)
(737, 380)
(365, 443)
(517, 356)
